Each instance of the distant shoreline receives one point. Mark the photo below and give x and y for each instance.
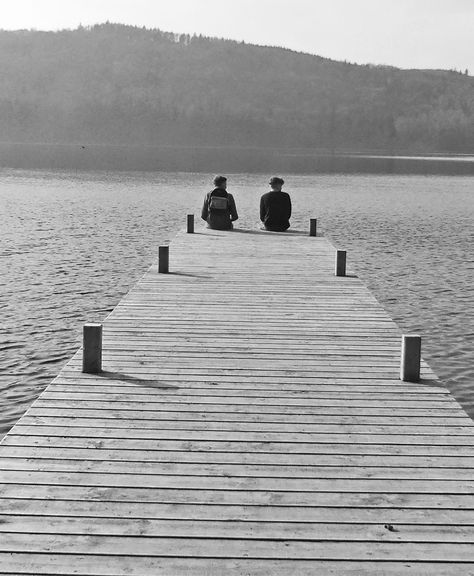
(77, 156)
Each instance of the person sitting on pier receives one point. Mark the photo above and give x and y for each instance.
(219, 209)
(275, 207)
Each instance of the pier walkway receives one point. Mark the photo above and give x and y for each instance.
(250, 420)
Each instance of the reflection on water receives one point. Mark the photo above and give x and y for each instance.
(223, 159)
(71, 244)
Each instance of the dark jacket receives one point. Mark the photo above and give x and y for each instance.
(219, 219)
(275, 211)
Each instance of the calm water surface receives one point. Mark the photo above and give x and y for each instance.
(71, 244)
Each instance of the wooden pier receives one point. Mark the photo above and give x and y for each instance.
(249, 420)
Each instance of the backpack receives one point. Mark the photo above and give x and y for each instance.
(218, 203)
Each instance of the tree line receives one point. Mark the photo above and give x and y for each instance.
(117, 84)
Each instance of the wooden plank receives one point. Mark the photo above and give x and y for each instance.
(116, 385)
(238, 548)
(96, 452)
(244, 379)
(46, 564)
(63, 464)
(245, 436)
(163, 416)
(283, 427)
(239, 483)
(259, 530)
(339, 408)
(214, 397)
(272, 412)
(263, 447)
(243, 497)
(103, 509)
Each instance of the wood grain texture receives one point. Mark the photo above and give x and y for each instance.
(249, 420)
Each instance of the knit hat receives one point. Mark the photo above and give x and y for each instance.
(218, 180)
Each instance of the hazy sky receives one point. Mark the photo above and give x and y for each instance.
(404, 33)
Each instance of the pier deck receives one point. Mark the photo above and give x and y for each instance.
(250, 420)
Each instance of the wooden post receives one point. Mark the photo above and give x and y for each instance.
(312, 227)
(340, 263)
(163, 259)
(410, 358)
(92, 348)
(190, 223)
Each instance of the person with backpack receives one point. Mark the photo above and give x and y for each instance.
(219, 209)
(275, 207)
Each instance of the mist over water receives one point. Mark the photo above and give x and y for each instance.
(72, 243)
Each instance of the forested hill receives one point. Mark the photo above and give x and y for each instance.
(124, 85)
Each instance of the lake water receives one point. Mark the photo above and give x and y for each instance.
(71, 244)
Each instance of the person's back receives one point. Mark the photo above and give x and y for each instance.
(219, 209)
(275, 207)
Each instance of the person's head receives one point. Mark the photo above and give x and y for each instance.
(220, 182)
(276, 183)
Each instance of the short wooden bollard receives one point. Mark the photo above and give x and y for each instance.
(190, 223)
(410, 358)
(92, 348)
(312, 226)
(163, 259)
(340, 263)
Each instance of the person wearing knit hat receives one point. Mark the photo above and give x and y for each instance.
(218, 209)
